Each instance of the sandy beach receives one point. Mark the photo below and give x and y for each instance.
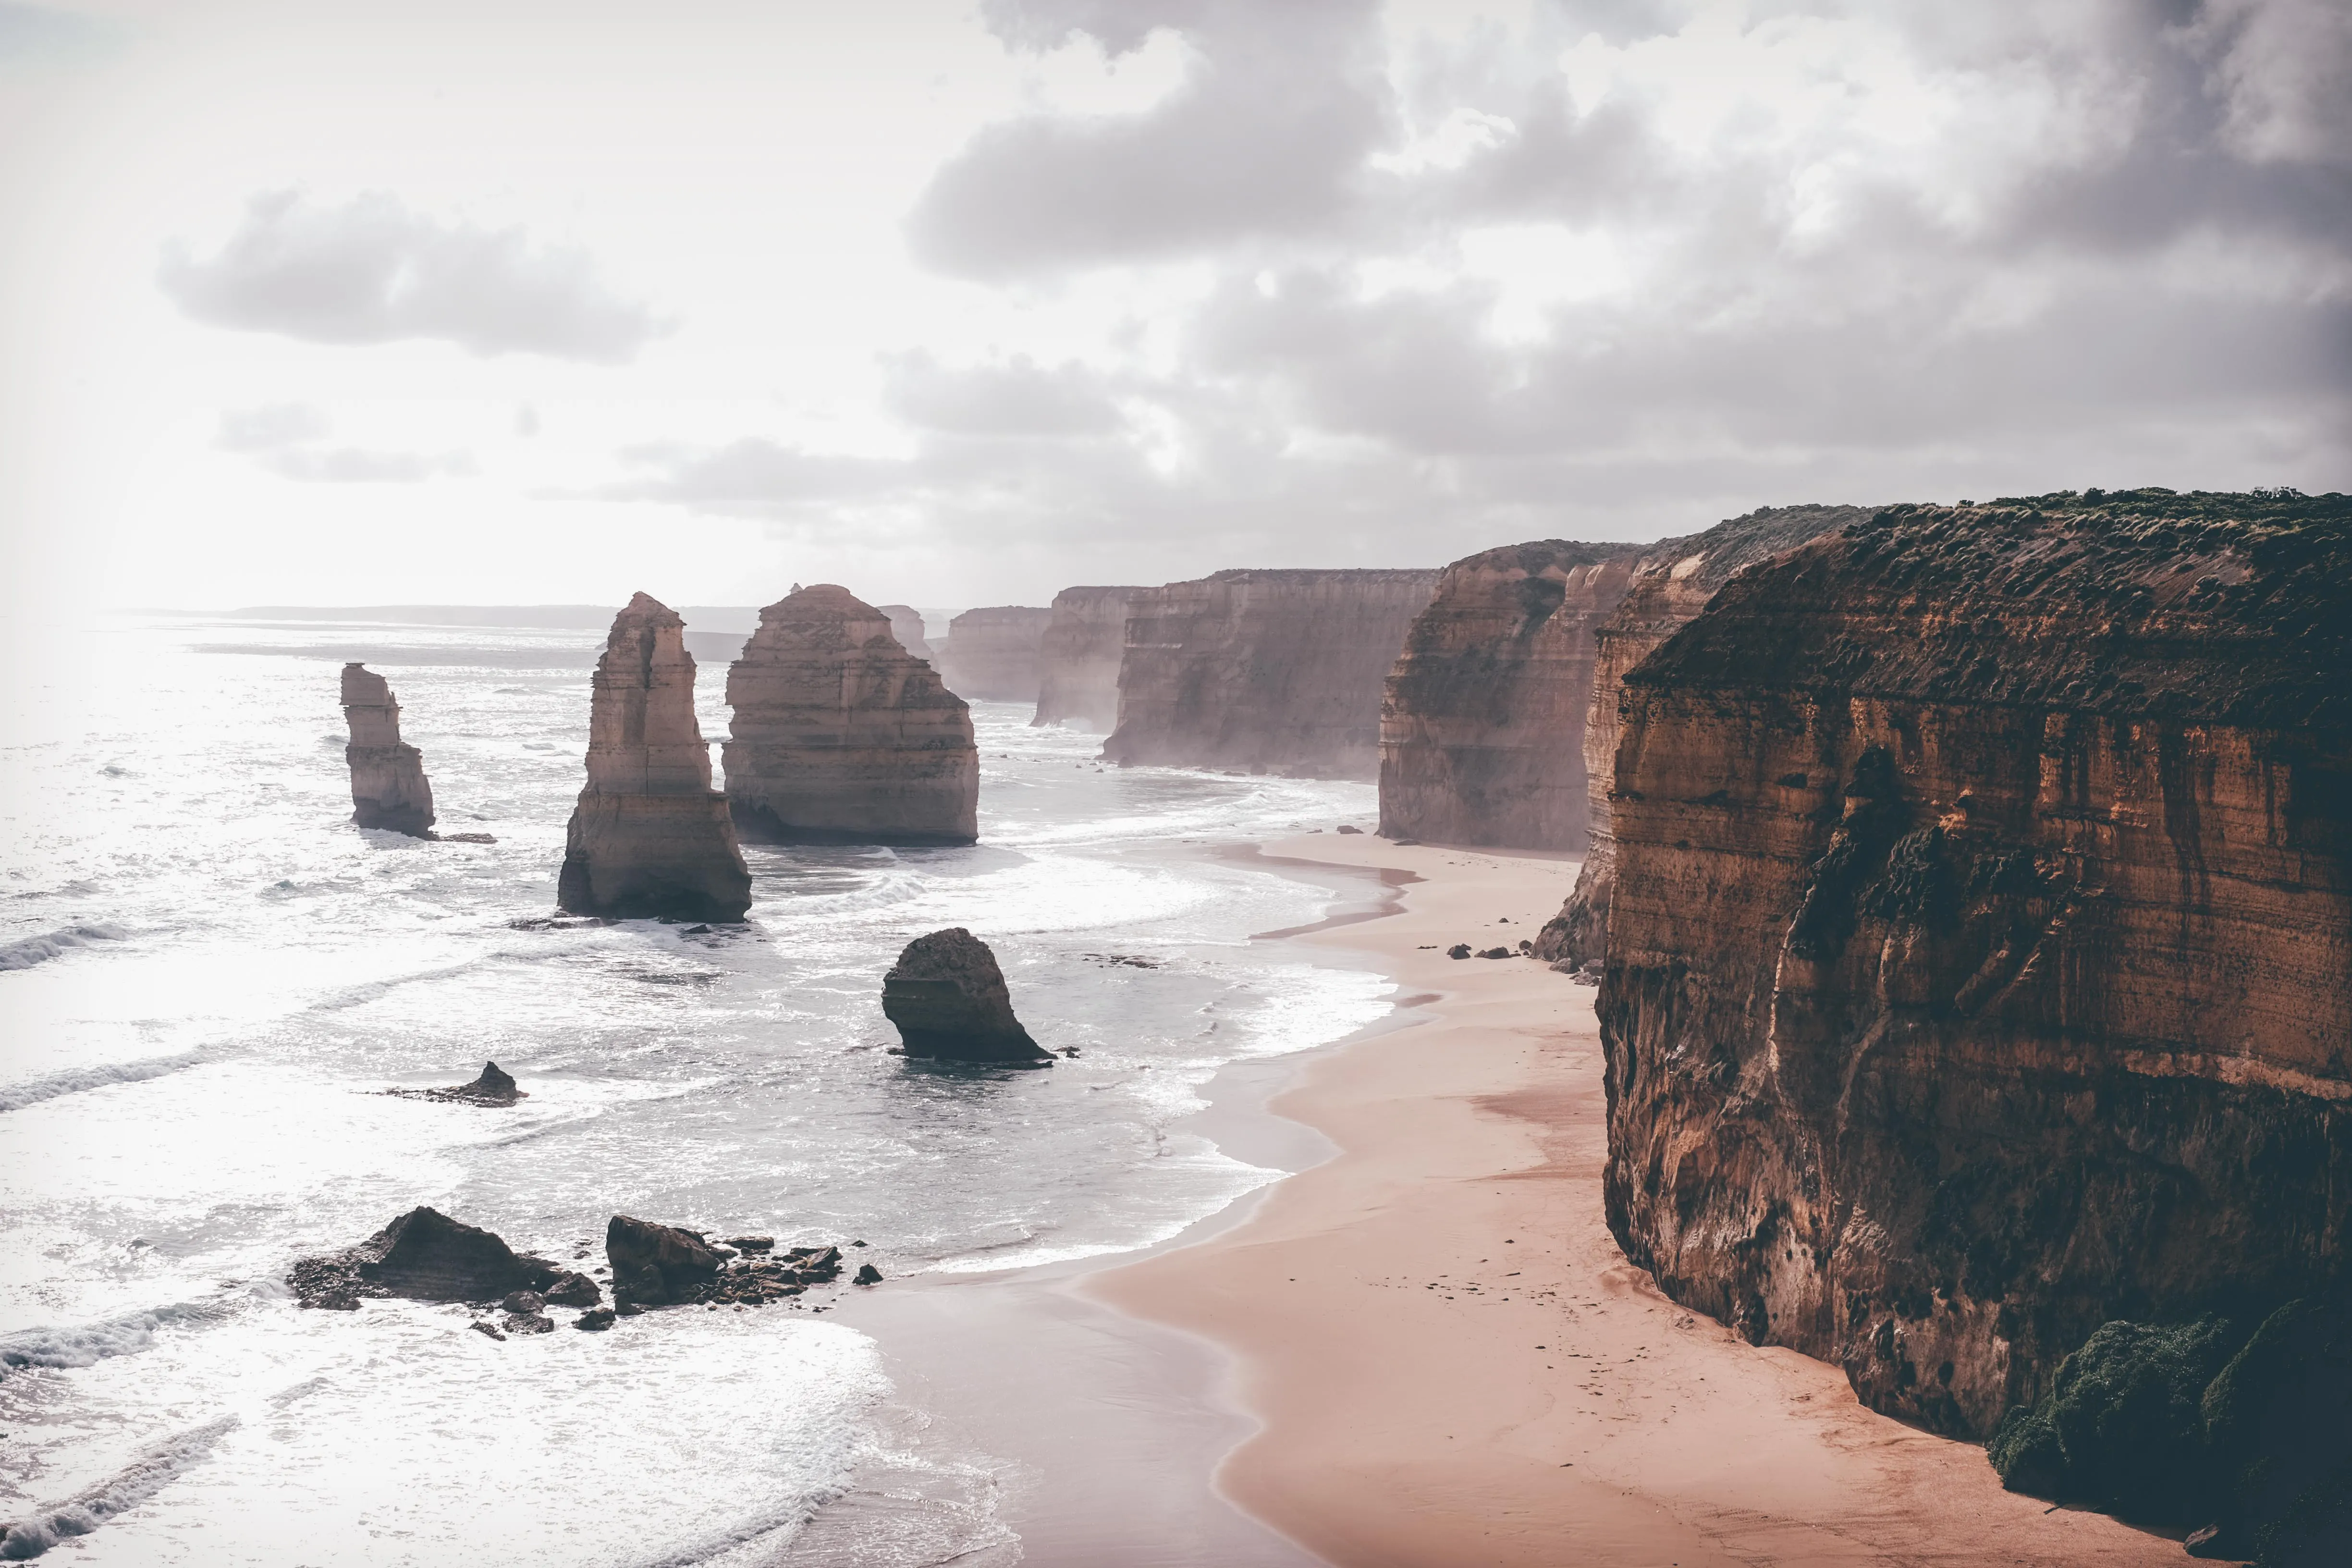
(1449, 1362)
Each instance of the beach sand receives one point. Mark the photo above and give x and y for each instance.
(1451, 1363)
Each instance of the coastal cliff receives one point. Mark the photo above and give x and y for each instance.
(1279, 670)
(1671, 582)
(1078, 658)
(1979, 961)
(841, 735)
(1482, 730)
(990, 655)
(388, 784)
(907, 626)
(650, 837)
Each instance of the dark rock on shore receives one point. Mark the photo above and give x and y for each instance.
(866, 1275)
(948, 1000)
(1459, 950)
(571, 1289)
(423, 1256)
(657, 1265)
(595, 1321)
(492, 1087)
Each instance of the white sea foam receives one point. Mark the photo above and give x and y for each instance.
(75, 1081)
(157, 1467)
(86, 1344)
(27, 952)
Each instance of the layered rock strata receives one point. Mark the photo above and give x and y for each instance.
(947, 999)
(650, 837)
(990, 655)
(388, 784)
(1078, 658)
(1671, 582)
(1979, 961)
(907, 626)
(1482, 730)
(1272, 670)
(842, 736)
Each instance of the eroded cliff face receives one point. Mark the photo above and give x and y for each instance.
(1980, 962)
(1671, 582)
(841, 735)
(388, 784)
(990, 655)
(1078, 658)
(907, 626)
(650, 837)
(1482, 730)
(1279, 670)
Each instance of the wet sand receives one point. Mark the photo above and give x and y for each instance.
(1448, 1361)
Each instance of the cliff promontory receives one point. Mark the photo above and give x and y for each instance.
(1078, 658)
(1279, 670)
(1482, 731)
(990, 655)
(841, 735)
(1671, 582)
(388, 785)
(650, 837)
(1980, 962)
(907, 626)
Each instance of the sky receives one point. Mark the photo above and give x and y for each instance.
(961, 303)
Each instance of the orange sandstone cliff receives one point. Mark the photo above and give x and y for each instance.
(1273, 671)
(1482, 730)
(1980, 962)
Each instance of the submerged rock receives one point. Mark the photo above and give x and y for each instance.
(948, 1000)
(1078, 658)
(842, 736)
(650, 837)
(595, 1321)
(423, 1256)
(388, 785)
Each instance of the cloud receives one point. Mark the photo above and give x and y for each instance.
(373, 271)
(42, 35)
(1011, 398)
(287, 439)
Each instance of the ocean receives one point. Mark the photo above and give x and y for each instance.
(209, 977)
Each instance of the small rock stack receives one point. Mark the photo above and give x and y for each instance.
(388, 785)
(948, 1000)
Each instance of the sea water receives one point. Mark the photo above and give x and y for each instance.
(209, 977)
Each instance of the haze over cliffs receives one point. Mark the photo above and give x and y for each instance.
(388, 785)
(1482, 729)
(991, 654)
(841, 735)
(1671, 582)
(1979, 961)
(650, 836)
(907, 626)
(1280, 670)
(1078, 658)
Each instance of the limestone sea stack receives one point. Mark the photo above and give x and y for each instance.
(907, 626)
(388, 786)
(842, 736)
(650, 838)
(1671, 582)
(1980, 964)
(1078, 658)
(948, 1000)
(990, 655)
(1482, 730)
(1270, 671)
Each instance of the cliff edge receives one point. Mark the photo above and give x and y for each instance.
(1980, 962)
(1078, 658)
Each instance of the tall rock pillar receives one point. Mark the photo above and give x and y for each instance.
(388, 785)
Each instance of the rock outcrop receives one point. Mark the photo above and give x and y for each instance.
(388, 785)
(424, 1255)
(948, 998)
(1671, 581)
(990, 655)
(1078, 658)
(1271, 671)
(842, 736)
(1482, 731)
(650, 838)
(1980, 962)
(492, 1087)
(907, 626)
(657, 1265)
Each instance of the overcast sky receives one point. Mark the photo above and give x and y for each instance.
(958, 303)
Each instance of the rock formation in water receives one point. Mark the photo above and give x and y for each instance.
(657, 1265)
(1980, 962)
(388, 785)
(492, 1087)
(1078, 658)
(842, 736)
(424, 1255)
(1269, 671)
(1672, 581)
(949, 999)
(907, 626)
(990, 655)
(1482, 732)
(650, 838)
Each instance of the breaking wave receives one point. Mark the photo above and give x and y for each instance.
(84, 1512)
(34, 1090)
(85, 1344)
(27, 952)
